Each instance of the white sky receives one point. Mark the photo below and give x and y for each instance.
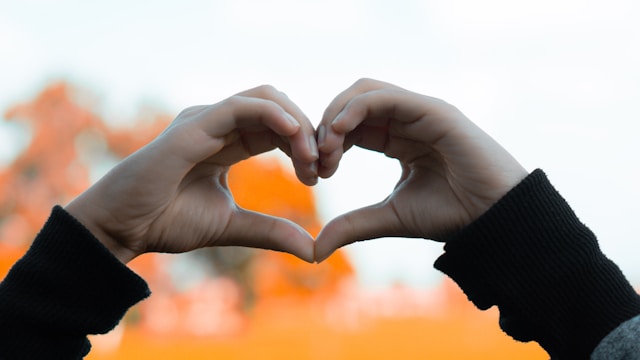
(557, 82)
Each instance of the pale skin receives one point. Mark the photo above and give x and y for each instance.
(452, 171)
(172, 196)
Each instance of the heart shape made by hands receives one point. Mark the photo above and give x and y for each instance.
(452, 171)
(173, 195)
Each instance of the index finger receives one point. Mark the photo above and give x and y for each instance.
(330, 143)
(202, 131)
(301, 147)
(373, 108)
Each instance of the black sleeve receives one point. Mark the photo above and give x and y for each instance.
(65, 287)
(532, 257)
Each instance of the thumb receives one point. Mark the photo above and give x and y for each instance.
(371, 222)
(257, 230)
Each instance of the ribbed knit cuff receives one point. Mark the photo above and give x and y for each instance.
(530, 255)
(66, 286)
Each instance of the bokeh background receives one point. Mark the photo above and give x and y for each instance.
(83, 84)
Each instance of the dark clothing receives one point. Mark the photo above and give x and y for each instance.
(66, 286)
(529, 255)
(532, 257)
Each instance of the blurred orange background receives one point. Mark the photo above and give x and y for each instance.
(232, 303)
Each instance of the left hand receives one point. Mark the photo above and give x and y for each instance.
(172, 195)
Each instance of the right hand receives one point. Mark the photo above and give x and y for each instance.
(452, 171)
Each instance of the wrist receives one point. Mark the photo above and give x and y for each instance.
(84, 216)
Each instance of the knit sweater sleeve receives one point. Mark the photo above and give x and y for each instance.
(532, 257)
(65, 287)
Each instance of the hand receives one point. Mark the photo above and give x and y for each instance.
(172, 195)
(452, 171)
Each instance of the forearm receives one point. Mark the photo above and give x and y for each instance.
(532, 257)
(65, 287)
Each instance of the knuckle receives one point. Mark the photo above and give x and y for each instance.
(233, 100)
(190, 110)
(258, 105)
(447, 107)
(363, 82)
(266, 90)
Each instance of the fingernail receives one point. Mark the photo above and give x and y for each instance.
(313, 147)
(292, 120)
(322, 134)
(337, 119)
(314, 167)
(314, 180)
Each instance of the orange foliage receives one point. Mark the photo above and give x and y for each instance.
(51, 169)
(262, 184)
(47, 172)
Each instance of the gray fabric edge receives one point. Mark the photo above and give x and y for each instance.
(623, 343)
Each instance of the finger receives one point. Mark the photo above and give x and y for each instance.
(361, 86)
(254, 143)
(367, 223)
(252, 229)
(330, 143)
(239, 112)
(202, 132)
(364, 130)
(305, 172)
(400, 124)
(304, 150)
(408, 115)
(329, 159)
